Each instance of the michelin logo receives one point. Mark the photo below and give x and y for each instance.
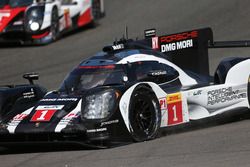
(177, 45)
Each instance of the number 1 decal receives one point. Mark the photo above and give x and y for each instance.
(45, 113)
(174, 106)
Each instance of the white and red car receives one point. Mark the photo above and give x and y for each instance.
(43, 21)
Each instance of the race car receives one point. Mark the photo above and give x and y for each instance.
(20, 97)
(44, 21)
(133, 90)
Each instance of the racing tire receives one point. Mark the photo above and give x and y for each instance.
(54, 29)
(223, 68)
(144, 114)
(96, 9)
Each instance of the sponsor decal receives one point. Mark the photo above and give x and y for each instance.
(4, 14)
(20, 117)
(45, 113)
(17, 119)
(174, 107)
(177, 46)
(223, 95)
(155, 42)
(29, 95)
(96, 130)
(118, 47)
(61, 99)
(150, 33)
(173, 98)
(68, 118)
(177, 41)
(158, 73)
(179, 37)
(110, 122)
(197, 93)
(163, 103)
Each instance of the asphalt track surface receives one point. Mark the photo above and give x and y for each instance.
(221, 145)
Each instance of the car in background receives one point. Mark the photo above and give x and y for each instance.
(44, 21)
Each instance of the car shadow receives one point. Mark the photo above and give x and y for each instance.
(25, 149)
(62, 147)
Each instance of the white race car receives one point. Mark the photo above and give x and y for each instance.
(132, 91)
(43, 21)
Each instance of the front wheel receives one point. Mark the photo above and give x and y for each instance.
(54, 29)
(144, 114)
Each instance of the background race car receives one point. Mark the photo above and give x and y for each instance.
(133, 90)
(43, 21)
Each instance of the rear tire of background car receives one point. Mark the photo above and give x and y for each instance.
(96, 9)
(54, 29)
(144, 114)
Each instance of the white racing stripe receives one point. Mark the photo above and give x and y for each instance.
(65, 120)
(12, 125)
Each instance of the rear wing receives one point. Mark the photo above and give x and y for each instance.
(189, 49)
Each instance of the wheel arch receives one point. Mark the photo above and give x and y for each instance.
(126, 97)
(224, 67)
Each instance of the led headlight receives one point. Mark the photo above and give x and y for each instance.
(34, 13)
(99, 105)
(34, 26)
(34, 18)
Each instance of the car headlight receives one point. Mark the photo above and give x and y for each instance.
(34, 26)
(34, 18)
(99, 105)
(34, 14)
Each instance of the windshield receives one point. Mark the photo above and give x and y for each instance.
(15, 3)
(87, 77)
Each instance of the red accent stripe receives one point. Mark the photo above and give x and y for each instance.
(40, 35)
(12, 14)
(98, 67)
(85, 18)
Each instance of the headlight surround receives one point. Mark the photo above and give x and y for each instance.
(99, 105)
(34, 18)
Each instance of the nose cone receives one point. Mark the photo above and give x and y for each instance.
(7, 15)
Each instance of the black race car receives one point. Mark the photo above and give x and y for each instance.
(17, 98)
(132, 90)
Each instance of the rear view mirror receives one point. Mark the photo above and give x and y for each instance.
(31, 77)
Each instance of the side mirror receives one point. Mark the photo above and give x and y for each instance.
(31, 77)
(74, 3)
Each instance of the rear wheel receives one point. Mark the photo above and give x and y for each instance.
(144, 114)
